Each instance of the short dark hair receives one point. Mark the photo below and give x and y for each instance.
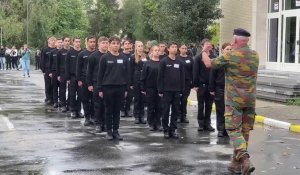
(90, 37)
(58, 39)
(114, 38)
(66, 37)
(204, 41)
(161, 43)
(182, 44)
(128, 40)
(76, 37)
(171, 43)
(102, 38)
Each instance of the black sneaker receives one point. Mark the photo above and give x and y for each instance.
(142, 120)
(209, 128)
(98, 129)
(117, 136)
(55, 105)
(200, 128)
(136, 121)
(49, 102)
(166, 135)
(109, 135)
(184, 120)
(87, 122)
(174, 135)
(80, 115)
(178, 120)
(152, 128)
(64, 109)
(220, 134)
(74, 115)
(122, 114)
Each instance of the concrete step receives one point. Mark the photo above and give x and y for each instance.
(273, 96)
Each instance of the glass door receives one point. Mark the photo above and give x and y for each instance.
(290, 43)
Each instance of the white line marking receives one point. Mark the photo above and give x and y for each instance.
(8, 123)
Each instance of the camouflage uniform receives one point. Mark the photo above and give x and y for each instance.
(241, 66)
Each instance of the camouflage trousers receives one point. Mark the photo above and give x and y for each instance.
(238, 123)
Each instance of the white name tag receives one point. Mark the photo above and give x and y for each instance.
(120, 61)
(144, 59)
(176, 65)
(85, 56)
(110, 62)
(188, 61)
(169, 65)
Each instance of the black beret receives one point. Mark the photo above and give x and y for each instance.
(241, 32)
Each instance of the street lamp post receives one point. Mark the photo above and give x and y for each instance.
(27, 23)
(1, 35)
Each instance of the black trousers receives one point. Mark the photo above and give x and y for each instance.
(184, 98)
(87, 100)
(205, 101)
(138, 101)
(14, 62)
(98, 107)
(48, 86)
(75, 98)
(8, 62)
(62, 91)
(113, 97)
(170, 99)
(154, 110)
(220, 108)
(127, 102)
(55, 85)
(37, 64)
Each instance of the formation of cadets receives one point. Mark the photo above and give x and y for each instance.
(106, 80)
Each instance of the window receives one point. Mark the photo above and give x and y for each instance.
(273, 39)
(273, 6)
(292, 4)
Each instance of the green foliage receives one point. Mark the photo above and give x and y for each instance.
(214, 31)
(294, 101)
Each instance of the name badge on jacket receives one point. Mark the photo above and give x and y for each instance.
(176, 65)
(120, 61)
(188, 61)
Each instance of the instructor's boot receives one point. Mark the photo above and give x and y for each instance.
(235, 166)
(247, 166)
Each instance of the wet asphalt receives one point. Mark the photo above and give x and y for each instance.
(36, 139)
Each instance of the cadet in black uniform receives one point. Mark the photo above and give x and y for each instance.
(81, 70)
(45, 67)
(61, 72)
(149, 88)
(113, 83)
(162, 53)
(125, 109)
(71, 60)
(201, 82)
(170, 87)
(53, 73)
(216, 89)
(136, 65)
(188, 63)
(91, 79)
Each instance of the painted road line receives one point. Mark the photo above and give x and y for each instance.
(259, 118)
(295, 128)
(9, 125)
(277, 123)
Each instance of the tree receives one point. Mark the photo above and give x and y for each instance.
(185, 21)
(103, 17)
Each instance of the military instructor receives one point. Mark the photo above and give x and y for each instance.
(241, 66)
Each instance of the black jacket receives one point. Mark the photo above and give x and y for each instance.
(216, 79)
(61, 62)
(188, 63)
(45, 59)
(113, 71)
(201, 73)
(93, 67)
(71, 61)
(170, 76)
(53, 60)
(81, 65)
(149, 75)
(2, 52)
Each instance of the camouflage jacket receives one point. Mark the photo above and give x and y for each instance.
(241, 66)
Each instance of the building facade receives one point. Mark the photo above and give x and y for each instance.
(275, 29)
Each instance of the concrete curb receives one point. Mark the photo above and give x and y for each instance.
(264, 120)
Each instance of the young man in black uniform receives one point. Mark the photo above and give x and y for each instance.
(188, 63)
(91, 79)
(61, 72)
(162, 50)
(201, 83)
(125, 109)
(149, 88)
(170, 87)
(45, 67)
(81, 70)
(216, 89)
(71, 60)
(53, 73)
(113, 84)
